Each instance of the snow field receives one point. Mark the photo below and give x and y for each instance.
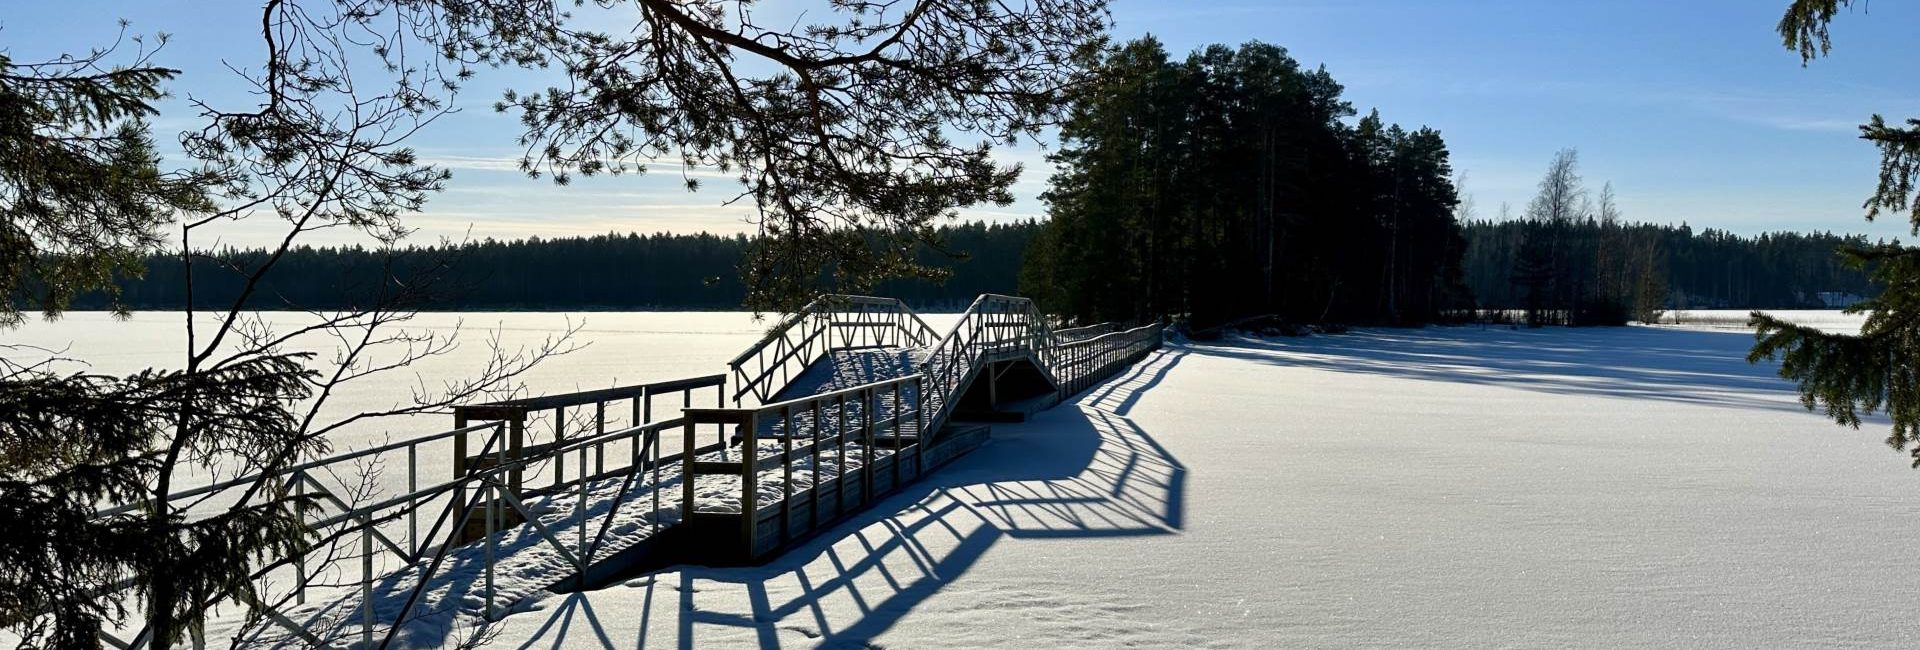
(1450, 487)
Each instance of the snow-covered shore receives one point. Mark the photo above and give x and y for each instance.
(1449, 487)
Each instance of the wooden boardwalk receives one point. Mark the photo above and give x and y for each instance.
(836, 407)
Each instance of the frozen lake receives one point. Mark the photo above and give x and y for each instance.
(614, 349)
(1736, 319)
(1459, 487)
(1450, 487)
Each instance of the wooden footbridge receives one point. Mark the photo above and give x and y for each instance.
(836, 407)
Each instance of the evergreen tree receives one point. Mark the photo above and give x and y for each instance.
(1852, 374)
(853, 130)
(1228, 185)
(84, 194)
(1536, 274)
(81, 196)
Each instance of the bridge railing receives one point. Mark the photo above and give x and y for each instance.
(1078, 365)
(489, 488)
(1071, 334)
(353, 501)
(812, 463)
(500, 505)
(993, 324)
(828, 324)
(340, 497)
(536, 425)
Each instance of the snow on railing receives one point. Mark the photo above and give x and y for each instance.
(870, 421)
(828, 324)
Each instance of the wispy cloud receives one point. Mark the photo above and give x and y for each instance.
(1789, 123)
(1787, 110)
(1777, 110)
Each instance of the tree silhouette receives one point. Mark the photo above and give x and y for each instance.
(1849, 375)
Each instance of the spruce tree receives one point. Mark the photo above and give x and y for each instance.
(1851, 375)
(81, 198)
(84, 195)
(1229, 185)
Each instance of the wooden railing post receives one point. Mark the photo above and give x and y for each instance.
(813, 491)
(459, 463)
(516, 445)
(899, 421)
(300, 561)
(491, 487)
(366, 581)
(866, 445)
(580, 512)
(559, 436)
(840, 470)
(687, 473)
(920, 428)
(750, 481)
(786, 474)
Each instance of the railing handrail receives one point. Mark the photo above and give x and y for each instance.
(773, 333)
(816, 306)
(595, 396)
(296, 469)
(828, 395)
(926, 331)
(1114, 326)
(803, 336)
(1110, 335)
(534, 457)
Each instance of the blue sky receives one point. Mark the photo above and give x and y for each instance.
(1691, 109)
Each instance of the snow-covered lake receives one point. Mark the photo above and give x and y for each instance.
(1831, 320)
(612, 349)
(1449, 487)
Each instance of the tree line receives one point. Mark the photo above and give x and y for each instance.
(1572, 259)
(1668, 266)
(612, 271)
(1651, 267)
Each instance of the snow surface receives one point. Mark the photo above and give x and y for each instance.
(1455, 487)
(1832, 320)
(526, 562)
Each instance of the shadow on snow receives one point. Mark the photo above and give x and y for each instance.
(1669, 365)
(1080, 470)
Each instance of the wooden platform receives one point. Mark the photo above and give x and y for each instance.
(714, 539)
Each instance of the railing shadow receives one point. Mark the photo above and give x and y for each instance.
(1081, 470)
(454, 593)
(1659, 364)
(1119, 394)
